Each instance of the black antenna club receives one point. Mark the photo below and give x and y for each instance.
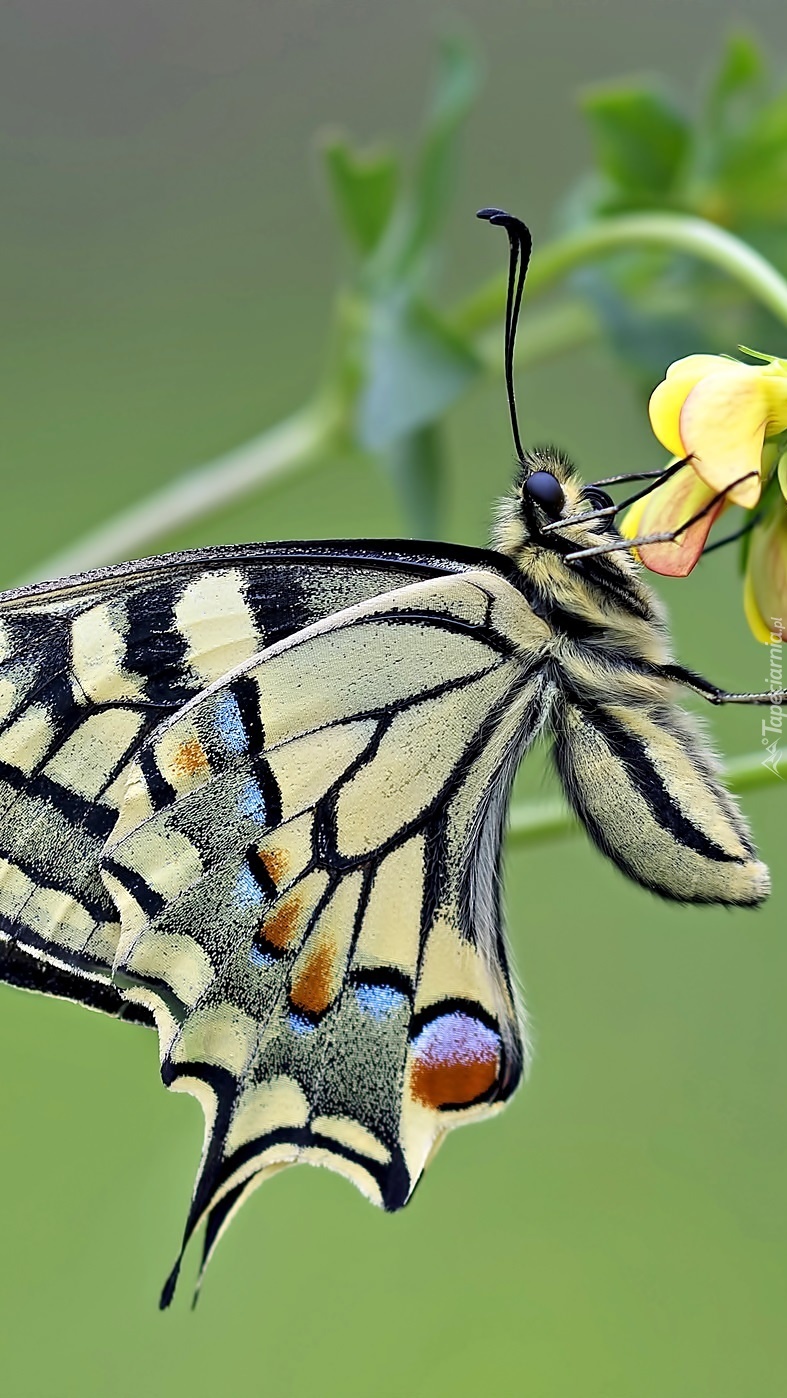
(521, 245)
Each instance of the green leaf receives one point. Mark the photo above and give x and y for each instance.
(742, 141)
(456, 86)
(754, 170)
(641, 138)
(364, 185)
(738, 77)
(416, 367)
(416, 463)
(643, 342)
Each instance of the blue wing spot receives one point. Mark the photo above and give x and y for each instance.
(229, 724)
(379, 1001)
(251, 802)
(248, 893)
(261, 958)
(300, 1025)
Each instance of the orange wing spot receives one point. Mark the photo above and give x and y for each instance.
(275, 861)
(456, 1061)
(190, 759)
(281, 927)
(312, 991)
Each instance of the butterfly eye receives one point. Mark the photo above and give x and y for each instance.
(546, 490)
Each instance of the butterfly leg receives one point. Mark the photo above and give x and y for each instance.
(714, 695)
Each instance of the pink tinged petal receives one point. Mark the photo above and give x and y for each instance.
(765, 596)
(665, 510)
(722, 424)
(668, 398)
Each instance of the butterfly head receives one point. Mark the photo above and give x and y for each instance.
(551, 510)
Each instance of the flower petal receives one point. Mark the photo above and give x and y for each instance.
(757, 626)
(668, 398)
(765, 595)
(664, 511)
(722, 425)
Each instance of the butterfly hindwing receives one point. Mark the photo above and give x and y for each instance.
(646, 788)
(305, 866)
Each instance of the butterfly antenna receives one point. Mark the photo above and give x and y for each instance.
(521, 245)
(654, 479)
(735, 536)
(669, 536)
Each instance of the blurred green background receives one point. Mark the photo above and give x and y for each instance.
(168, 267)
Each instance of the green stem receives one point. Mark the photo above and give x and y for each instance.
(289, 446)
(678, 231)
(534, 821)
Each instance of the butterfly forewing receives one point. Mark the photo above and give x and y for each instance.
(288, 865)
(88, 668)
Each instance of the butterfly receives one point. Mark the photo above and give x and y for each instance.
(254, 797)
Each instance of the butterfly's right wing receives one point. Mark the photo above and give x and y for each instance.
(645, 786)
(306, 868)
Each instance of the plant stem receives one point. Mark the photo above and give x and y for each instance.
(532, 822)
(289, 446)
(678, 231)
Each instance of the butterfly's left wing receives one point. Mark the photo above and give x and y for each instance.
(89, 667)
(305, 866)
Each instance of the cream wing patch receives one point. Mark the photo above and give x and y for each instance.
(217, 624)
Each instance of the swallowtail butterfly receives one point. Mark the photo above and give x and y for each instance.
(254, 797)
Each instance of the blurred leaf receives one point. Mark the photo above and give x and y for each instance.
(456, 86)
(729, 167)
(640, 136)
(754, 170)
(739, 75)
(741, 160)
(364, 185)
(416, 367)
(416, 463)
(398, 362)
(643, 342)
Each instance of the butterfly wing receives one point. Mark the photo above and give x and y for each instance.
(645, 786)
(305, 865)
(88, 668)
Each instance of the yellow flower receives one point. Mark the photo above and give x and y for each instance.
(765, 586)
(719, 412)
